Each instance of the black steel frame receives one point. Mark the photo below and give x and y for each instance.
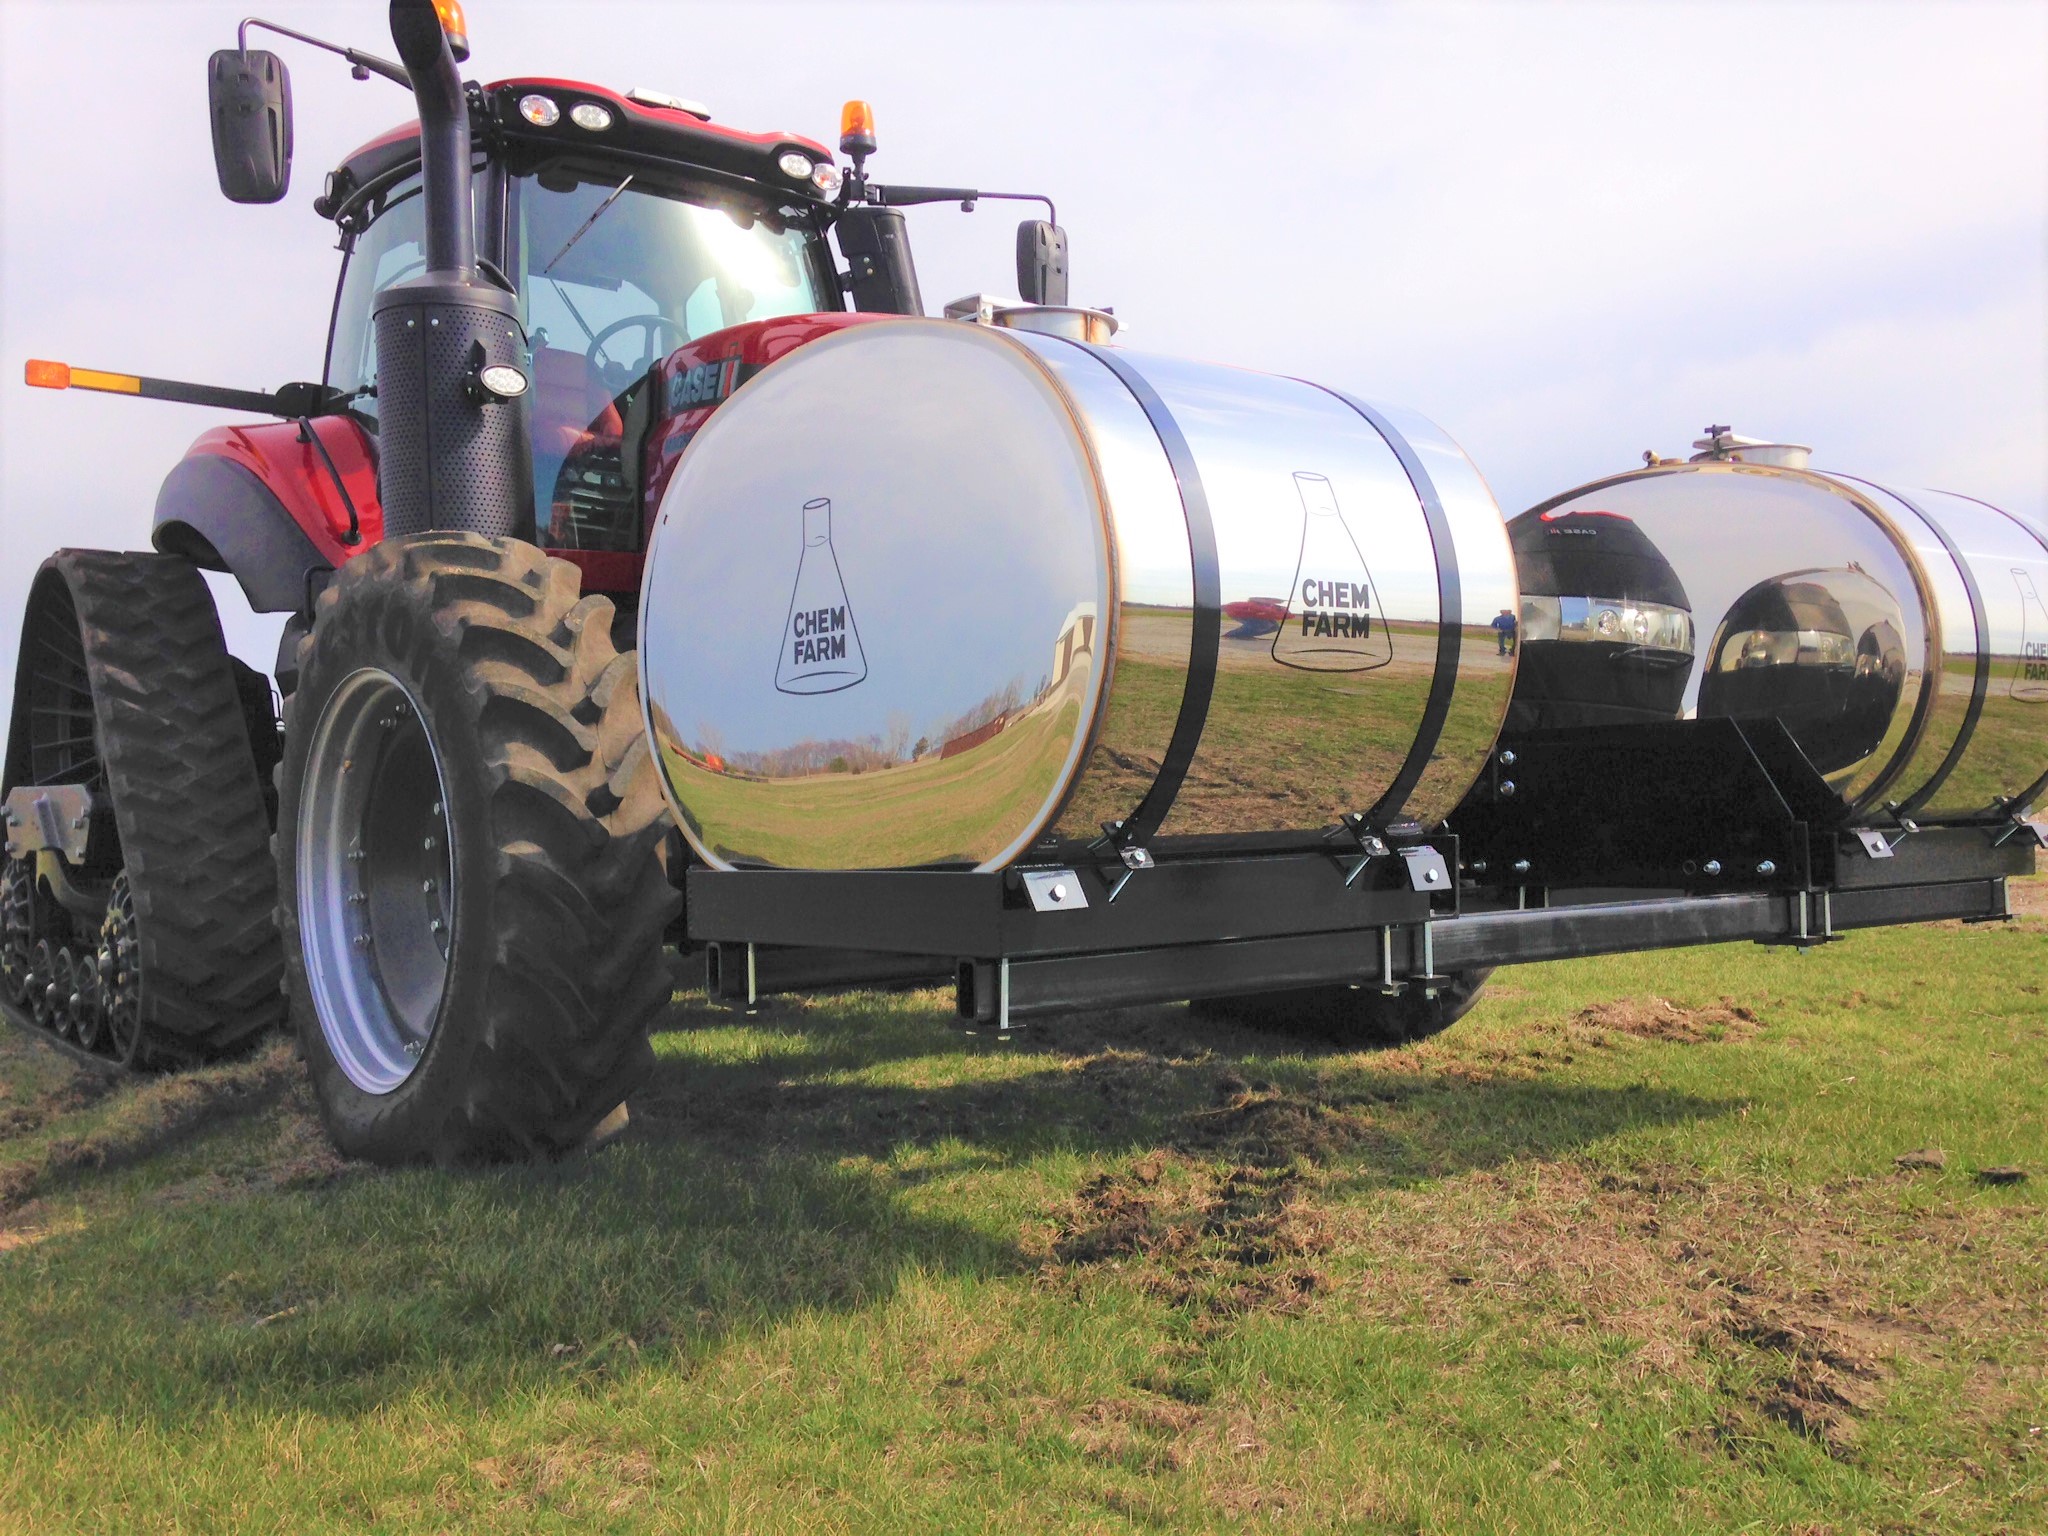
(1233, 925)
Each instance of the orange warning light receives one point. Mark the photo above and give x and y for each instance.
(47, 375)
(455, 25)
(856, 129)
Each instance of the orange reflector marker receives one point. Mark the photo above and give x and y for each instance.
(455, 25)
(47, 375)
(112, 383)
(856, 129)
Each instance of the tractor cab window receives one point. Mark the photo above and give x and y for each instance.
(391, 250)
(615, 273)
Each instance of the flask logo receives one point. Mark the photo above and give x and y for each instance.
(1330, 624)
(2030, 678)
(820, 643)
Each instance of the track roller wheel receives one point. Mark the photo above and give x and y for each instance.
(1359, 1017)
(43, 981)
(471, 894)
(119, 978)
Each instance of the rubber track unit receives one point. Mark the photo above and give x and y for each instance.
(173, 742)
(557, 965)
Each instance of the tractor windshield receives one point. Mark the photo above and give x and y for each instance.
(614, 272)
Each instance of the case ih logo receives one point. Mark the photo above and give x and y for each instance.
(705, 384)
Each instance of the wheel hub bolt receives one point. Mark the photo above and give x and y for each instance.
(437, 926)
(362, 941)
(427, 844)
(357, 899)
(427, 886)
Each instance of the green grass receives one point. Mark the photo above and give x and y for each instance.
(1590, 1261)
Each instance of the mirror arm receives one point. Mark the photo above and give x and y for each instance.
(966, 197)
(365, 63)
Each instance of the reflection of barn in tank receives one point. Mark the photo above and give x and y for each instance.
(1822, 651)
(1606, 627)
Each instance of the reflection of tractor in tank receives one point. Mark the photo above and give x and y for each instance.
(1606, 627)
(1822, 651)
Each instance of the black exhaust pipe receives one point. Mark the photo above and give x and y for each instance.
(452, 429)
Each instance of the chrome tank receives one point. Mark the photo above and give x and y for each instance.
(934, 593)
(1898, 635)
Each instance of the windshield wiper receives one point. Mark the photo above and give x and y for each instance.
(584, 228)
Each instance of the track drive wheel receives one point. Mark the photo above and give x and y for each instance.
(126, 687)
(1358, 1017)
(471, 892)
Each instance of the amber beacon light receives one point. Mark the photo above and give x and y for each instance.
(856, 129)
(456, 25)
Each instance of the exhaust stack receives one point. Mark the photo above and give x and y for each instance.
(453, 438)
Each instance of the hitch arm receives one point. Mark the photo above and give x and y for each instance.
(289, 401)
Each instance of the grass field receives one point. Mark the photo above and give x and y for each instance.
(1626, 1250)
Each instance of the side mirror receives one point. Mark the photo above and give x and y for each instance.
(876, 245)
(1041, 262)
(249, 98)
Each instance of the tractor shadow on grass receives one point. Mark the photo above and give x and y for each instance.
(776, 1167)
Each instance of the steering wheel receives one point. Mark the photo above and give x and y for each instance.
(617, 376)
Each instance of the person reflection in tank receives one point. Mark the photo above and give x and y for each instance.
(1789, 649)
(1504, 627)
(1605, 631)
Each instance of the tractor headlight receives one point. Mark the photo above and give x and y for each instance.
(588, 114)
(795, 166)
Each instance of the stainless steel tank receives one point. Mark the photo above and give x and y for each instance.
(1898, 635)
(937, 593)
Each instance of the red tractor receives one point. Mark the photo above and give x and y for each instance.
(447, 861)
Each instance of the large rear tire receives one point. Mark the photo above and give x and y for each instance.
(471, 892)
(1357, 1017)
(126, 686)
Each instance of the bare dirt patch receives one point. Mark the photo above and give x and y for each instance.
(148, 1115)
(1657, 1018)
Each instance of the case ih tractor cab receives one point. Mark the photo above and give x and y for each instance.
(931, 674)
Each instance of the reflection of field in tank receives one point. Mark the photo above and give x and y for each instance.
(2009, 749)
(1158, 634)
(942, 809)
(1281, 749)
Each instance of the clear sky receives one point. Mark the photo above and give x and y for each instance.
(1567, 232)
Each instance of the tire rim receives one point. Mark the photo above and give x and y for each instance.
(375, 887)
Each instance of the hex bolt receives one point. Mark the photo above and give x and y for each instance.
(356, 855)
(1712, 866)
(1521, 866)
(437, 926)
(362, 941)
(427, 886)
(357, 899)
(1767, 868)
(427, 844)
(1477, 866)
(436, 810)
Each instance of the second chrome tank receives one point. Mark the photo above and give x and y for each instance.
(1899, 636)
